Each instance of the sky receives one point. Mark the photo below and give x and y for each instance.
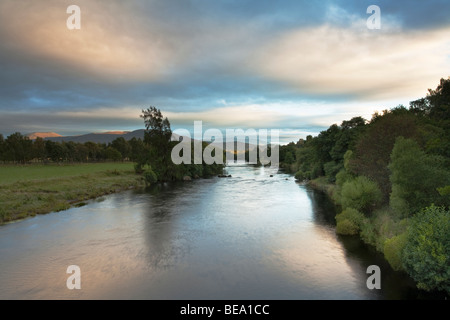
(297, 66)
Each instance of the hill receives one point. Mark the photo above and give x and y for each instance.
(34, 135)
(105, 137)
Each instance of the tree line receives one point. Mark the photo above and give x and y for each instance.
(155, 163)
(18, 148)
(391, 178)
(151, 155)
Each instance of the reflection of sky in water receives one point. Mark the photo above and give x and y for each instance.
(247, 237)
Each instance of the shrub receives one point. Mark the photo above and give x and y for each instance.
(426, 256)
(300, 176)
(349, 221)
(368, 233)
(346, 227)
(393, 249)
(381, 226)
(361, 194)
(150, 177)
(343, 176)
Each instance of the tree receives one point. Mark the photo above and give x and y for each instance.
(121, 145)
(113, 154)
(349, 221)
(157, 138)
(372, 151)
(416, 177)
(361, 194)
(426, 255)
(81, 152)
(137, 149)
(93, 150)
(39, 151)
(436, 108)
(18, 148)
(2, 147)
(439, 100)
(56, 151)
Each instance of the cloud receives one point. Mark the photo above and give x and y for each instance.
(291, 64)
(357, 62)
(106, 46)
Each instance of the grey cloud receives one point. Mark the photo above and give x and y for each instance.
(204, 46)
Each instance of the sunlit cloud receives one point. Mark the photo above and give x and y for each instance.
(356, 62)
(298, 66)
(106, 45)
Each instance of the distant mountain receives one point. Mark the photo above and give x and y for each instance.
(108, 137)
(104, 137)
(35, 135)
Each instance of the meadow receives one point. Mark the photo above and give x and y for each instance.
(27, 190)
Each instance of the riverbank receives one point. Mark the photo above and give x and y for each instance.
(323, 185)
(38, 189)
(386, 233)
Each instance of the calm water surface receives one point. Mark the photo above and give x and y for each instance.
(251, 236)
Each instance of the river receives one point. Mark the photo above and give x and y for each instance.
(250, 236)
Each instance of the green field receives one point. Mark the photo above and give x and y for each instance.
(35, 189)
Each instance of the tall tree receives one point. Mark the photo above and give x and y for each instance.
(416, 177)
(93, 150)
(373, 149)
(157, 138)
(18, 148)
(137, 149)
(2, 147)
(121, 145)
(39, 151)
(439, 100)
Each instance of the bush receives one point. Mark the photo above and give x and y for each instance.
(349, 221)
(426, 256)
(150, 177)
(300, 176)
(343, 176)
(368, 232)
(361, 194)
(381, 226)
(347, 228)
(393, 249)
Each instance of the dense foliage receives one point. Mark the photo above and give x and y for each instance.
(152, 155)
(156, 162)
(426, 255)
(17, 148)
(387, 174)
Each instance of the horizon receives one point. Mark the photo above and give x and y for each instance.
(295, 66)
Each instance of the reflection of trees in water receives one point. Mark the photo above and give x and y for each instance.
(323, 208)
(394, 285)
(164, 206)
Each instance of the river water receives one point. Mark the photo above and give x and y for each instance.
(250, 236)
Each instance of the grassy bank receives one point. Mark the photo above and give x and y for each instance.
(323, 185)
(36, 189)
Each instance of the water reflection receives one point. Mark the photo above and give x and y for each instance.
(358, 255)
(250, 236)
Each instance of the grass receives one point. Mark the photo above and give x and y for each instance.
(36, 189)
(323, 185)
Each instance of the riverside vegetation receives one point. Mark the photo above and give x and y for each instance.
(389, 175)
(42, 176)
(391, 178)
